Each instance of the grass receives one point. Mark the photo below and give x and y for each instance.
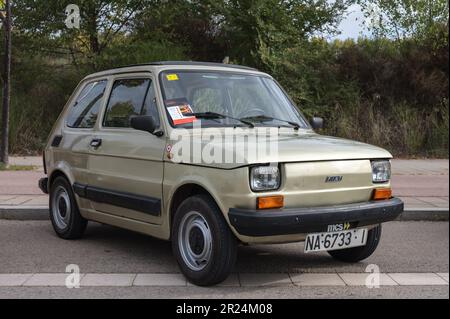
(17, 168)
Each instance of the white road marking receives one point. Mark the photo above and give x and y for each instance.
(176, 280)
(262, 279)
(317, 280)
(235, 280)
(13, 280)
(418, 279)
(108, 280)
(443, 276)
(47, 280)
(352, 279)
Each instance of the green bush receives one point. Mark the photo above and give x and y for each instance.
(41, 86)
(390, 94)
(378, 91)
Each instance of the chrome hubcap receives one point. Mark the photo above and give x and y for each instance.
(61, 209)
(195, 241)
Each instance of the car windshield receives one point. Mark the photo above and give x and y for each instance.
(236, 96)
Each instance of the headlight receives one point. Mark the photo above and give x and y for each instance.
(381, 171)
(264, 178)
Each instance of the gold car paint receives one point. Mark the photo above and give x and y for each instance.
(127, 161)
(71, 156)
(294, 146)
(230, 188)
(137, 168)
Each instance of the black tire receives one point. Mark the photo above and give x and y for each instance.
(354, 255)
(223, 244)
(62, 198)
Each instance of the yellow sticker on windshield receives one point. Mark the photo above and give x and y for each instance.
(172, 77)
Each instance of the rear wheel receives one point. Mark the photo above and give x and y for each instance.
(353, 255)
(202, 242)
(64, 214)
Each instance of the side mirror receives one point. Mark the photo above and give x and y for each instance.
(143, 123)
(317, 123)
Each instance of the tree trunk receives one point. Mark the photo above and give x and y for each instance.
(92, 15)
(6, 86)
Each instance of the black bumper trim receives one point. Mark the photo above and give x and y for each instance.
(43, 184)
(309, 220)
(143, 204)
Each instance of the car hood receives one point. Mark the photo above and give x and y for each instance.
(300, 146)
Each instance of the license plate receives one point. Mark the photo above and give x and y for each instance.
(335, 240)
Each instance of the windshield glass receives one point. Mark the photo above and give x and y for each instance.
(234, 95)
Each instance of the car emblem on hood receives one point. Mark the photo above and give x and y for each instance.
(333, 179)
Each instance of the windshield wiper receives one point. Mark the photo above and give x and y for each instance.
(264, 118)
(213, 115)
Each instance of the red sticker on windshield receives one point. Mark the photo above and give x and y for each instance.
(179, 110)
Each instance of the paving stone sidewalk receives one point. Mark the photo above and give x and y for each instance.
(235, 280)
(421, 184)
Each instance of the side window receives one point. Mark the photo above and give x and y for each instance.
(150, 107)
(127, 99)
(84, 112)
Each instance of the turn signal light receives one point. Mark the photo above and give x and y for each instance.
(382, 193)
(270, 202)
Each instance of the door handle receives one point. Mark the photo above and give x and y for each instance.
(96, 142)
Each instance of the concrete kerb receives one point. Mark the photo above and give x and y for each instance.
(42, 213)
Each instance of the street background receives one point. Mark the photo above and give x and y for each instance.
(377, 71)
(413, 257)
(421, 184)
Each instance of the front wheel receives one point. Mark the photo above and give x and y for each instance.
(353, 255)
(202, 242)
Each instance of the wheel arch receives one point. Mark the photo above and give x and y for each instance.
(57, 173)
(183, 192)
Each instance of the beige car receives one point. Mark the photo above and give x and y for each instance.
(210, 156)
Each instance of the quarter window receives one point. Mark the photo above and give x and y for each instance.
(85, 110)
(126, 100)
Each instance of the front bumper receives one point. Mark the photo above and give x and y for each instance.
(257, 223)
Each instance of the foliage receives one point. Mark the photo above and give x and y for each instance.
(402, 19)
(374, 91)
(390, 90)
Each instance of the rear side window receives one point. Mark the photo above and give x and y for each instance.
(126, 100)
(84, 112)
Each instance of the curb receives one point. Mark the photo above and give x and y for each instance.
(24, 213)
(41, 213)
(424, 214)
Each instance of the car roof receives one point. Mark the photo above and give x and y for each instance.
(180, 65)
(193, 63)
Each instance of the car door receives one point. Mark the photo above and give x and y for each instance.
(71, 148)
(126, 165)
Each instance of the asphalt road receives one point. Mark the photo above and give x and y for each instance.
(32, 247)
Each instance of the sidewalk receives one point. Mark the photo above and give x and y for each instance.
(422, 184)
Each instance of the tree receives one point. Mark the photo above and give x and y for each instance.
(5, 19)
(192, 24)
(101, 22)
(402, 19)
(257, 30)
(248, 31)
